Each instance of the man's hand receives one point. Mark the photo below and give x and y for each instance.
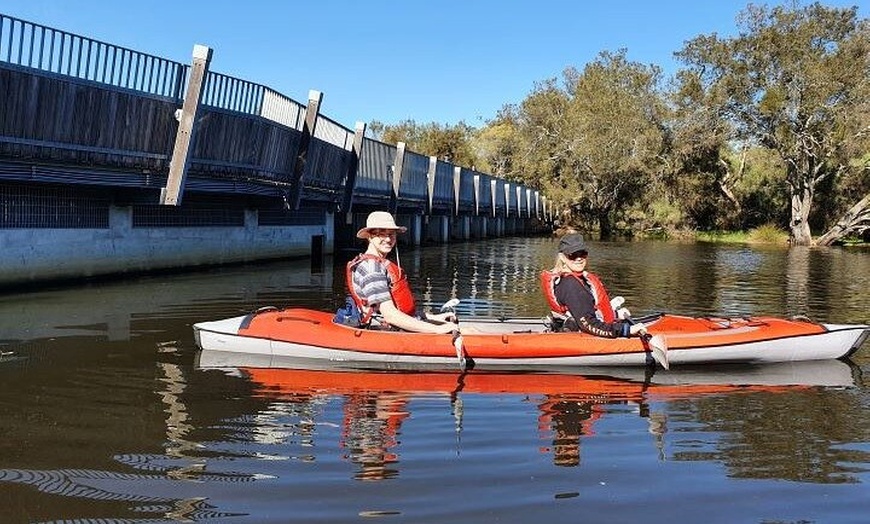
(446, 327)
(442, 317)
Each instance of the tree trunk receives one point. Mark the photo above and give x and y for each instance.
(801, 203)
(724, 182)
(856, 220)
(604, 225)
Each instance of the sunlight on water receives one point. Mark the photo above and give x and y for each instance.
(108, 418)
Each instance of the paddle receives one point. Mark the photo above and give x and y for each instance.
(450, 306)
(659, 347)
(655, 344)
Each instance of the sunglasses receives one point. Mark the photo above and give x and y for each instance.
(578, 255)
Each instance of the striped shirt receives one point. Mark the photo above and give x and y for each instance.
(371, 282)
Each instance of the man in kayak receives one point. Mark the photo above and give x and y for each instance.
(580, 298)
(379, 286)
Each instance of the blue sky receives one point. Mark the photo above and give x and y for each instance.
(428, 60)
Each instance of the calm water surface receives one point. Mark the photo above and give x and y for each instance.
(109, 416)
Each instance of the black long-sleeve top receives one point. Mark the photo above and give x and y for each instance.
(576, 295)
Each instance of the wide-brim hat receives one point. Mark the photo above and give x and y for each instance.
(572, 243)
(379, 220)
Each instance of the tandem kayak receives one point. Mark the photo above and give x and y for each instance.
(525, 344)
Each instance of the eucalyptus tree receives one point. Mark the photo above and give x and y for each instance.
(595, 141)
(701, 167)
(618, 134)
(497, 144)
(452, 143)
(791, 81)
(538, 158)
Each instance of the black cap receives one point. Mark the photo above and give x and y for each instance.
(572, 243)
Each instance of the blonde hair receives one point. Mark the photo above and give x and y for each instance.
(560, 266)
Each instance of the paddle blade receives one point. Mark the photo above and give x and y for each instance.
(450, 304)
(460, 352)
(659, 347)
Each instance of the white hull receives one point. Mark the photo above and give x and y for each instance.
(837, 342)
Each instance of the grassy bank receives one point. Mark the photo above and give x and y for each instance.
(760, 235)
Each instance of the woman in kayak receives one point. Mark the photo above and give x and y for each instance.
(579, 298)
(379, 286)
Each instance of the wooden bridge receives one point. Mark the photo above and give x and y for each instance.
(113, 160)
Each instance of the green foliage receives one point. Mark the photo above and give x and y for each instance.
(450, 143)
(791, 81)
(498, 145)
(595, 139)
(666, 215)
(768, 234)
(762, 190)
(767, 129)
(765, 234)
(651, 219)
(728, 237)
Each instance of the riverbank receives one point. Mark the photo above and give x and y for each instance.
(766, 234)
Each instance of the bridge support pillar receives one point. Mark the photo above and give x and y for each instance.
(462, 228)
(437, 229)
(443, 230)
(414, 223)
(415, 229)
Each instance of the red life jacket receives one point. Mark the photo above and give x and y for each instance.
(603, 309)
(400, 290)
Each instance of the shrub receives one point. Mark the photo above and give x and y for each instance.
(768, 234)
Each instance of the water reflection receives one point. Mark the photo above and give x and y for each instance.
(374, 406)
(492, 278)
(106, 418)
(371, 424)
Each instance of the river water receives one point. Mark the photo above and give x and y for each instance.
(108, 415)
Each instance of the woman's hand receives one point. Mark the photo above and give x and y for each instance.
(638, 329)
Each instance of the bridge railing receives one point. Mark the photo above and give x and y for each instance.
(230, 143)
(442, 190)
(414, 186)
(36, 46)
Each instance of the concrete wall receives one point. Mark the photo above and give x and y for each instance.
(29, 255)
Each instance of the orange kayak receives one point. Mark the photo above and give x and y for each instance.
(524, 344)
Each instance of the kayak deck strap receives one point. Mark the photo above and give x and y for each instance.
(246, 322)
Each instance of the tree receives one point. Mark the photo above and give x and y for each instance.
(700, 169)
(790, 81)
(595, 141)
(449, 143)
(498, 143)
(618, 139)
